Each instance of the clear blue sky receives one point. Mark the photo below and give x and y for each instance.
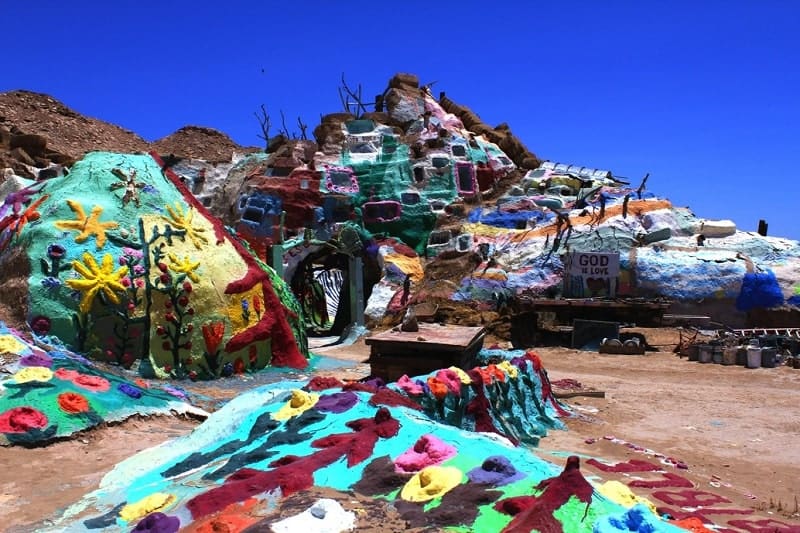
(703, 95)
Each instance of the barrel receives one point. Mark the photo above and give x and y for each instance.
(705, 353)
(753, 357)
(716, 355)
(729, 355)
(768, 357)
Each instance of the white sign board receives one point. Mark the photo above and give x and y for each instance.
(591, 274)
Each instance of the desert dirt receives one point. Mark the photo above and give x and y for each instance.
(735, 428)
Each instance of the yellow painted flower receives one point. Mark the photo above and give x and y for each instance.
(11, 345)
(184, 267)
(509, 369)
(87, 225)
(157, 501)
(97, 278)
(300, 402)
(463, 376)
(181, 220)
(33, 373)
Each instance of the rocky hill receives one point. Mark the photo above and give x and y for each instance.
(37, 131)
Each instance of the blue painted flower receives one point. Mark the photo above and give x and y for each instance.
(51, 284)
(245, 306)
(56, 251)
(149, 189)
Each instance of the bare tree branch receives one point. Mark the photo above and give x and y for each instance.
(284, 130)
(303, 127)
(355, 95)
(264, 123)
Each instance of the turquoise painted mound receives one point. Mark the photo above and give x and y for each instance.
(279, 440)
(512, 398)
(127, 266)
(54, 393)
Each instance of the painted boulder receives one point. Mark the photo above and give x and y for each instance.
(127, 266)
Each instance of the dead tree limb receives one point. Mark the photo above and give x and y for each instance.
(264, 123)
(640, 190)
(303, 127)
(360, 108)
(284, 130)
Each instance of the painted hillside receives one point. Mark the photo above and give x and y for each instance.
(430, 174)
(126, 266)
(417, 187)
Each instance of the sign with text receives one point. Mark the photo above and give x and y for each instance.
(591, 274)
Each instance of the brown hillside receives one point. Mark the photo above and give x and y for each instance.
(66, 131)
(198, 142)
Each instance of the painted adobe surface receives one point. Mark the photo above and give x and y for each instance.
(53, 393)
(127, 266)
(282, 439)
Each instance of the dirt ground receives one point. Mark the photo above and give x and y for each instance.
(735, 429)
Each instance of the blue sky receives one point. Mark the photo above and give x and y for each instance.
(700, 94)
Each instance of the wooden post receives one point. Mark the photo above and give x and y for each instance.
(762, 227)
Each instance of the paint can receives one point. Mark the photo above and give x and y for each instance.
(741, 356)
(716, 355)
(753, 357)
(704, 353)
(729, 355)
(768, 357)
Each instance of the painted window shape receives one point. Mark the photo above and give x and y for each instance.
(439, 237)
(459, 150)
(438, 206)
(409, 198)
(388, 144)
(385, 211)
(419, 174)
(341, 180)
(362, 148)
(465, 179)
(464, 242)
(336, 209)
(440, 162)
(359, 126)
(538, 173)
(253, 215)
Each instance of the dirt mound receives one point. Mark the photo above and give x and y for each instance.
(198, 142)
(66, 131)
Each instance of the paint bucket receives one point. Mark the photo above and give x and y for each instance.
(768, 357)
(753, 357)
(729, 355)
(716, 355)
(704, 353)
(741, 356)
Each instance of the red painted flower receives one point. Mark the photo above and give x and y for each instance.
(73, 403)
(40, 325)
(66, 375)
(238, 366)
(257, 304)
(212, 335)
(438, 388)
(92, 383)
(22, 420)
